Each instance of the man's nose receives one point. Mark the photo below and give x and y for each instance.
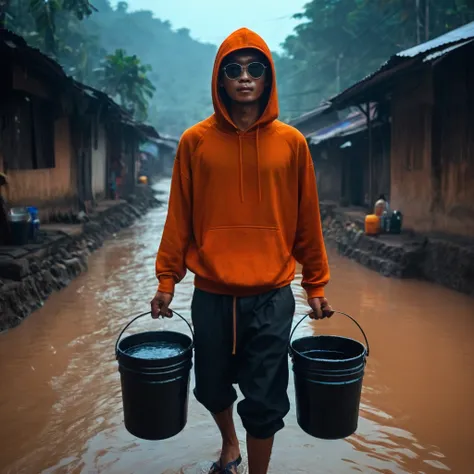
(244, 77)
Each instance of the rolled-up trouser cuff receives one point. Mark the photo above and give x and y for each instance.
(218, 400)
(263, 431)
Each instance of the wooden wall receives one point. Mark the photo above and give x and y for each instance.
(453, 144)
(50, 189)
(327, 165)
(411, 188)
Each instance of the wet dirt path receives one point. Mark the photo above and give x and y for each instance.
(60, 399)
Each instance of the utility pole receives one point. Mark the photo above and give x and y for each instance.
(338, 72)
(418, 21)
(427, 20)
(422, 20)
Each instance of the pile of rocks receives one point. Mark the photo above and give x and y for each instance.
(26, 283)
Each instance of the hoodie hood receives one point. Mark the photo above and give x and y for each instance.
(243, 39)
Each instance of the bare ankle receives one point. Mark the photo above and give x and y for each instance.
(230, 443)
(230, 451)
(231, 446)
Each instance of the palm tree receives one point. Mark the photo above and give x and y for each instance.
(126, 78)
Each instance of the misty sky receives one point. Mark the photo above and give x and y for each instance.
(212, 20)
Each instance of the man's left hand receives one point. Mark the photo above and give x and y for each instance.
(321, 308)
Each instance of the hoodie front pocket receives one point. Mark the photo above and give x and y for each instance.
(245, 256)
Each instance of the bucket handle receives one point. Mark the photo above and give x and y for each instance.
(335, 312)
(146, 314)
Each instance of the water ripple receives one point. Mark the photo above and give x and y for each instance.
(61, 408)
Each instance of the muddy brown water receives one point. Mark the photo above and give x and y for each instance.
(60, 399)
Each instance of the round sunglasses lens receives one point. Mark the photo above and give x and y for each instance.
(256, 70)
(233, 71)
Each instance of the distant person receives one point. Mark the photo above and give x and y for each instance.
(243, 208)
(118, 171)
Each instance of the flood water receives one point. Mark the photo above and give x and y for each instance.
(60, 396)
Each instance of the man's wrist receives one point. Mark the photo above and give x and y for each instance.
(166, 285)
(316, 292)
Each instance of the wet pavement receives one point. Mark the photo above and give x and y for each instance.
(60, 398)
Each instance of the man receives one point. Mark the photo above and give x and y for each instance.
(243, 207)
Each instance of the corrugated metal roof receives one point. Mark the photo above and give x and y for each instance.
(19, 47)
(172, 144)
(309, 115)
(454, 36)
(355, 123)
(442, 52)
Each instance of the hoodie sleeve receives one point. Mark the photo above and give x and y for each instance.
(309, 249)
(170, 266)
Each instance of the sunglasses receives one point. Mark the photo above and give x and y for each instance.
(255, 70)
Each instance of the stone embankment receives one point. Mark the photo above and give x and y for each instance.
(29, 275)
(445, 260)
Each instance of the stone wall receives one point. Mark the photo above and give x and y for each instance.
(449, 262)
(444, 260)
(27, 282)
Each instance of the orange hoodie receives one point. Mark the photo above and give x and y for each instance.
(243, 205)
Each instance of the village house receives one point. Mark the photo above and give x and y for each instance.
(167, 146)
(428, 93)
(36, 152)
(59, 138)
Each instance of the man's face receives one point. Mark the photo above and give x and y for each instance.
(244, 76)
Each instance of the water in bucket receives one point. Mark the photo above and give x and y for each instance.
(155, 350)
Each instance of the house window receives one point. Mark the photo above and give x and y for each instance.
(28, 134)
(43, 129)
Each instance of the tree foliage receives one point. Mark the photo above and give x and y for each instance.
(125, 77)
(41, 17)
(339, 42)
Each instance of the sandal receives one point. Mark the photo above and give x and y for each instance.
(228, 469)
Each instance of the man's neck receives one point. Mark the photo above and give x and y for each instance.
(244, 115)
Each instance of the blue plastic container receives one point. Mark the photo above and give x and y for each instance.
(34, 223)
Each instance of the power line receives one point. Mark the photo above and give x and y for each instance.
(296, 94)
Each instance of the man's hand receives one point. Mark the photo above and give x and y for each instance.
(160, 305)
(321, 308)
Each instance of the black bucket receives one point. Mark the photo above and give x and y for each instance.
(154, 390)
(328, 374)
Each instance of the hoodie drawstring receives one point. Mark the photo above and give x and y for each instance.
(241, 166)
(257, 144)
(241, 169)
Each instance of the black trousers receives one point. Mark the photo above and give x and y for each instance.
(244, 341)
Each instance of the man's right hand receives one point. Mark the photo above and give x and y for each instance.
(160, 305)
